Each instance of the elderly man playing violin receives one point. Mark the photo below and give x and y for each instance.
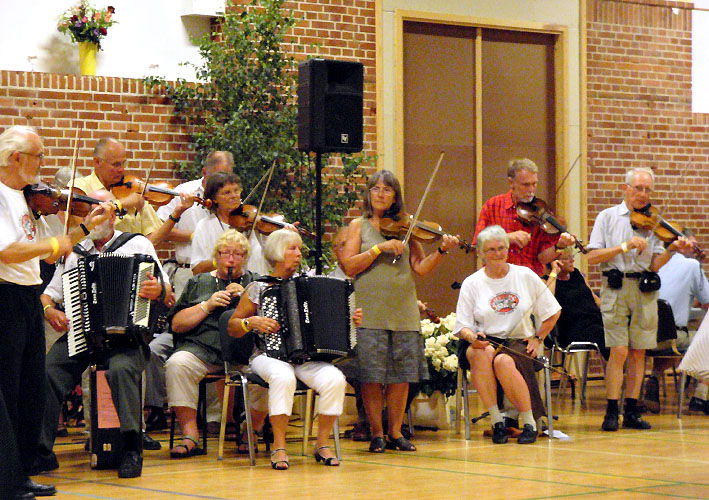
(109, 160)
(24, 240)
(125, 363)
(629, 259)
(530, 245)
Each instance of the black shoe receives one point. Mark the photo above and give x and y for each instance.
(528, 436)
(361, 432)
(610, 422)
(156, 421)
(696, 404)
(633, 421)
(62, 432)
(38, 490)
(652, 394)
(499, 433)
(150, 444)
(406, 432)
(131, 465)
(44, 463)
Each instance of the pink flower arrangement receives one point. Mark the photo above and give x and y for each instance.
(85, 23)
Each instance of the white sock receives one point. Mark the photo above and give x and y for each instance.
(701, 391)
(526, 417)
(495, 414)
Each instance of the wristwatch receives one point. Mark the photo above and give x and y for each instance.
(539, 338)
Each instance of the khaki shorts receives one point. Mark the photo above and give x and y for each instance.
(629, 316)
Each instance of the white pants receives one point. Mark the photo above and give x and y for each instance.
(183, 372)
(326, 379)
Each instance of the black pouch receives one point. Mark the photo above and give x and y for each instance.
(649, 282)
(615, 279)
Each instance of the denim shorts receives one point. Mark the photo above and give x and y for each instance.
(389, 357)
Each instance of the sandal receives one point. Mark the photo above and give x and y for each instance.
(330, 461)
(189, 452)
(377, 445)
(279, 464)
(242, 447)
(401, 443)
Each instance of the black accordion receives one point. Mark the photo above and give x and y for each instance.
(102, 304)
(315, 317)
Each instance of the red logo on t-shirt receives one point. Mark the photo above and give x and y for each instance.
(504, 303)
(29, 227)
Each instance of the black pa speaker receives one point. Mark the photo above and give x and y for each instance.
(330, 106)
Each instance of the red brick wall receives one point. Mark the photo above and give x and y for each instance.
(640, 109)
(56, 104)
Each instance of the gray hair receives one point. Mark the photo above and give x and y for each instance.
(274, 249)
(517, 164)
(102, 144)
(631, 173)
(62, 177)
(216, 158)
(15, 138)
(491, 233)
(232, 236)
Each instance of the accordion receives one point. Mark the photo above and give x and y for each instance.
(102, 304)
(315, 317)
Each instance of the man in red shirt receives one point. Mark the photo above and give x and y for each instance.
(530, 246)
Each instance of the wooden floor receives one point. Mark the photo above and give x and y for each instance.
(669, 461)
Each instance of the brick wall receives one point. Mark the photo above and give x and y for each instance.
(56, 104)
(640, 109)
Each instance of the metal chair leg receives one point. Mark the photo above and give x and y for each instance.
(307, 421)
(222, 425)
(547, 382)
(680, 396)
(336, 438)
(466, 406)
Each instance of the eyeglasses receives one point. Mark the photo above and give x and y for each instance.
(231, 253)
(383, 190)
(495, 249)
(40, 156)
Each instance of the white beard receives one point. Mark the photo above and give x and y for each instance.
(101, 232)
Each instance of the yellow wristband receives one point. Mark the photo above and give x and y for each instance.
(55, 246)
(47, 307)
(118, 204)
(245, 325)
(552, 275)
(214, 263)
(624, 247)
(376, 250)
(191, 236)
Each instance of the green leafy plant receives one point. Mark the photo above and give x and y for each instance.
(244, 102)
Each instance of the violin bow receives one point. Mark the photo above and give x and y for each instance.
(263, 197)
(405, 241)
(67, 213)
(263, 178)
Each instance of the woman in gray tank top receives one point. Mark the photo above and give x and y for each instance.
(389, 347)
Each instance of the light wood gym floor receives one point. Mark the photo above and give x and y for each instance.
(669, 461)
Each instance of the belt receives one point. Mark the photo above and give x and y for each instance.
(183, 266)
(635, 275)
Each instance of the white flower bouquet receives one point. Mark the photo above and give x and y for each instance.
(441, 351)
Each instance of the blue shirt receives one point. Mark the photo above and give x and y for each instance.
(682, 281)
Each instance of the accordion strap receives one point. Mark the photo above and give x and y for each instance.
(121, 240)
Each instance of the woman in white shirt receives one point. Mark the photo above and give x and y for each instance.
(495, 307)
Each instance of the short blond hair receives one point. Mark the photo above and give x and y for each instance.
(274, 249)
(227, 238)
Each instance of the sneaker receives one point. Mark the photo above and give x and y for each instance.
(652, 394)
(499, 433)
(131, 465)
(696, 404)
(610, 422)
(633, 421)
(528, 436)
(361, 432)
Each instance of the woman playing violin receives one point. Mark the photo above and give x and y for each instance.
(224, 191)
(389, 346)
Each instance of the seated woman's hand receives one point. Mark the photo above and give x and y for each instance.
(534, 345)
(221, 298)
(264, 324)
(479, 342)
(234, 289)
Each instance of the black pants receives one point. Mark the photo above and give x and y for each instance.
(22, 378)
(125, 367)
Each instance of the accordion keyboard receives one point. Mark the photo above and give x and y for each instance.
(141, 308)
(269, 308)
(76, 338)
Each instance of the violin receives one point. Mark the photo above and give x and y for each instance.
(649, 218)
(424, 231)
(158, 194)
(537, 212)
(244, 217)
(44, 199)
